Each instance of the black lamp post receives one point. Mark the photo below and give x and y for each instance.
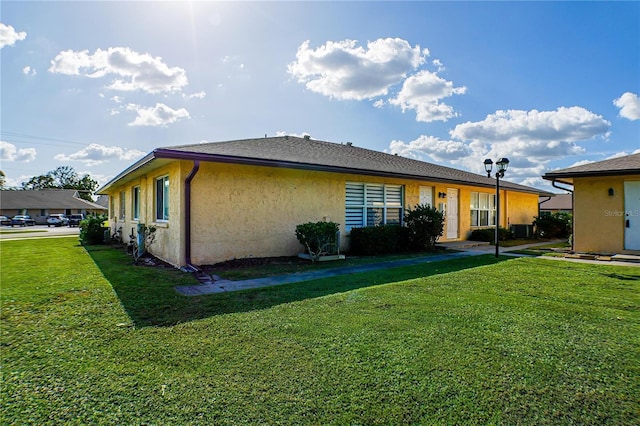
(502, 165)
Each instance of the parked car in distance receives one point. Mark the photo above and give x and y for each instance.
(75, 219)
(57, 220)
(22, 220)
(5, 220)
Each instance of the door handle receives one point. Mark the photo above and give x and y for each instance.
(628, 225)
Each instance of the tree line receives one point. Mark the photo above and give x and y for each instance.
(64, 177)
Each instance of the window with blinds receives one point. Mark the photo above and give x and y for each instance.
(373, 204)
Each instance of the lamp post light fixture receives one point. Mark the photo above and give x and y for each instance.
(501, 165)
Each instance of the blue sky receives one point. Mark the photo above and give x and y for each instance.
(96, 85)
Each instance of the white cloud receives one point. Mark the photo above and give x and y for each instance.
(133, 71)
(344, 70)
(9, 36)
(581, 163)
(422, 92)
(199, 95)
(97, 154)
(629, 105)
(295, 135)
(28, 70)
(530, 139)
(160, 115)
(16, 182)
(562, 125)
(431, 146)
(9, 152)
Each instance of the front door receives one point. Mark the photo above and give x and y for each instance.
(632, 215)
(452, 213)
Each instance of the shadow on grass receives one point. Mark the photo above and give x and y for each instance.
(148, 293)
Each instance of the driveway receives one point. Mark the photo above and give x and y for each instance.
(38, 231)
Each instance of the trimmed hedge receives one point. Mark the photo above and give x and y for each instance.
(488, 235)
(381, 239)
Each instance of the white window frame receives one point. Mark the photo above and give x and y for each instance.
(483, 209)
(135, 203)
(161, 199)
(370, 204)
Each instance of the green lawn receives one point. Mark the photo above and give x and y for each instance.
(87, 338)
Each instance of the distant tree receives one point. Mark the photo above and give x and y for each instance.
(64, 177)
(3, 179)
(39, 182)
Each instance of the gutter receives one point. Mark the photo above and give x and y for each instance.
(540, 203)
(187, 216)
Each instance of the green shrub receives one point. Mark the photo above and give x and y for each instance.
(319, 238)
(92, 229)
(556, 225)
(381, 239)
(489, 235)
(425, 224)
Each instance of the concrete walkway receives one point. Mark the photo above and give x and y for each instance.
(222, 286)
(468, 248)
(211, 286)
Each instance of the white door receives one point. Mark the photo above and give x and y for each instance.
(452, 213)
(632, 215)
(426, 195)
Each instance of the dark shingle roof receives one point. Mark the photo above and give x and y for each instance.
(558, 202)
(45, 199)
(629, 164)
(295, 152)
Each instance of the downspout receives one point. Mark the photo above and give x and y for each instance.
(555, 185)
(540, 204)
(187, 216)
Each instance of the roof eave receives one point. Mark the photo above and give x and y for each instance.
(135, 166)
(593, 173)
(185, 155)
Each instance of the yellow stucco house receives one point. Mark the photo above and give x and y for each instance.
(606, 204)
(213, 202)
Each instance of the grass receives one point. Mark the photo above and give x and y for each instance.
(88, 338)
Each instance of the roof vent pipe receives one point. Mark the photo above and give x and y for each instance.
(307, 137)
(349, 143)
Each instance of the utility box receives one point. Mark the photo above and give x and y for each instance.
(522, 230)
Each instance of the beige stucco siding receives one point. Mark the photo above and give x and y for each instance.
(240, 211)
(169, 244)
(599, 217)
(243, 211)
(521, 208)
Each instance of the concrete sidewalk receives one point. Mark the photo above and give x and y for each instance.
(468, 249)
(222, 286)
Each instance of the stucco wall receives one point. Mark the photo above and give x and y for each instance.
(241, 211)
(598, 217)
(169, 244)
(521, 208)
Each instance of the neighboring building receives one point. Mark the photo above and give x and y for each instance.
(559, 203)
(218, 201)
(41, 203)
(606, 204)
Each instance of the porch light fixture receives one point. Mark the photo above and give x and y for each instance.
(502, 164)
